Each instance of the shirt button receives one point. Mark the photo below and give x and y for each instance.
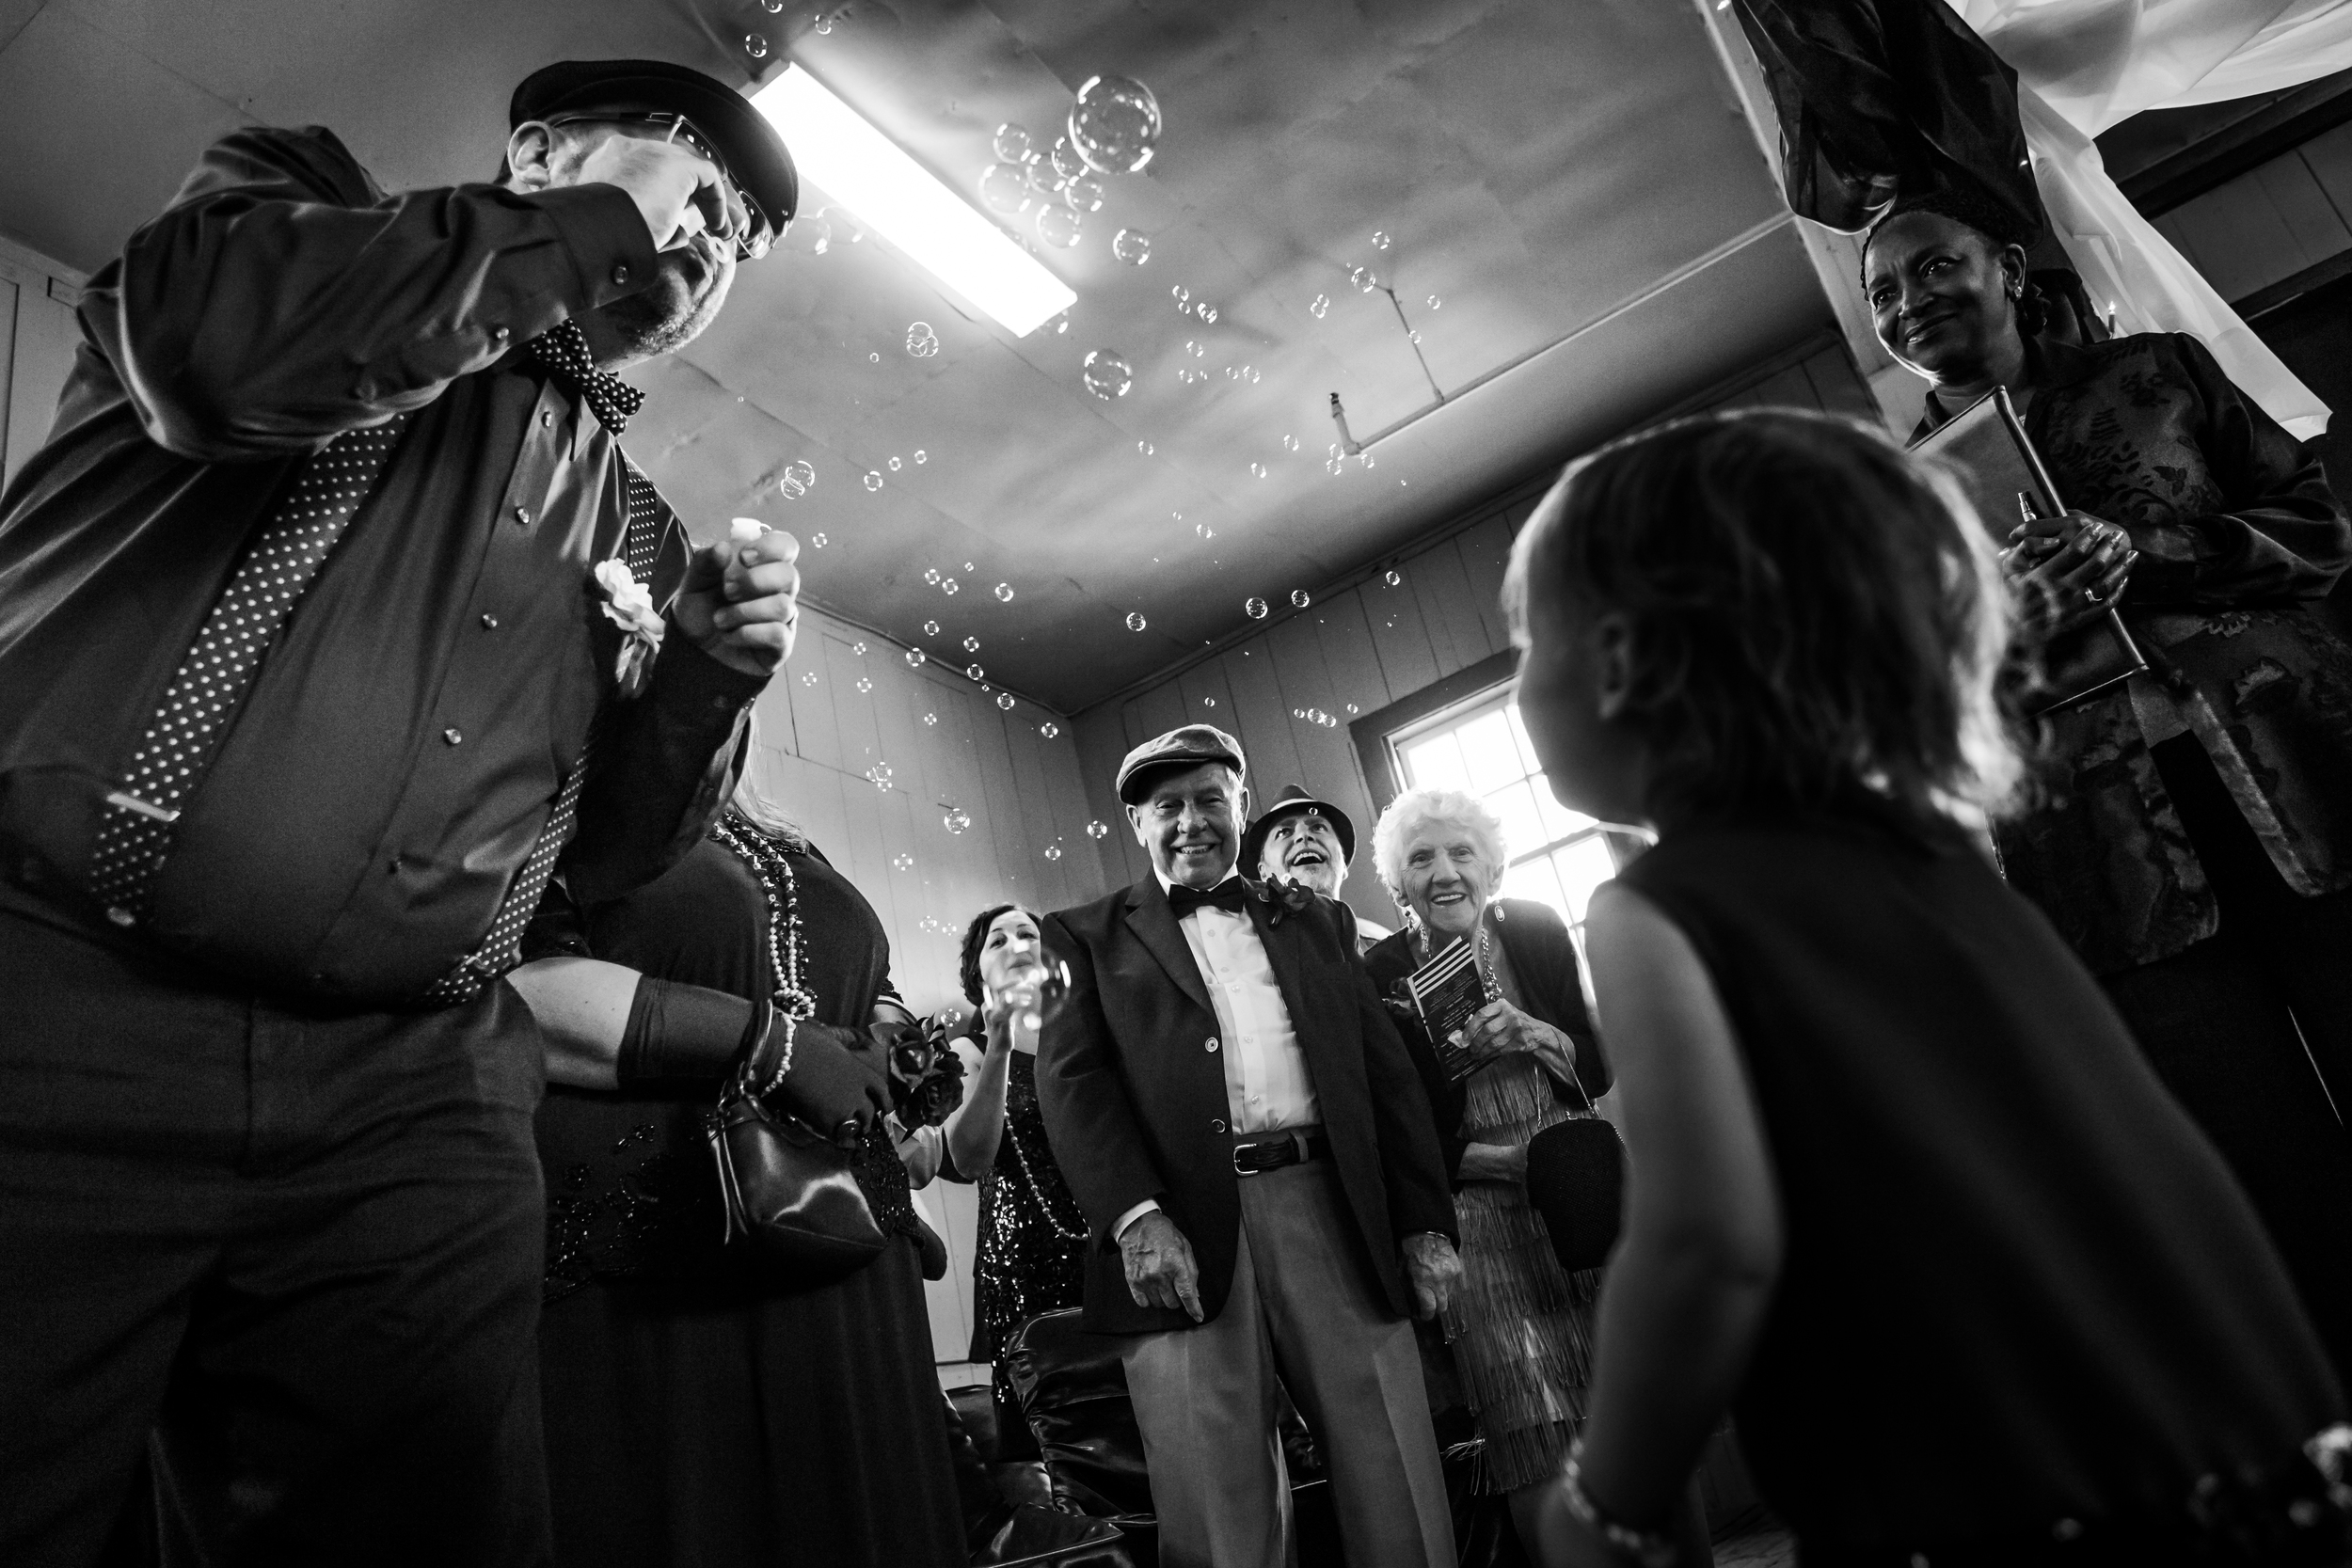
(522, 515)
(452, 736)
(120, 916)
(1217, 1124)
(546, 418)
(620, 271)
(489, 623)
(1212, 1043)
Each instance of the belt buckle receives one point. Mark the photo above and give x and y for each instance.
(1240, 1169)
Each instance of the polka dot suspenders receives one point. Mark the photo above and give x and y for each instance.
(180, 743)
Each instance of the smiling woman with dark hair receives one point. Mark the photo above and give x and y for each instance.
(2192, 836)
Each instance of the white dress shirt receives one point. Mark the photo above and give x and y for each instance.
(1267, 1086)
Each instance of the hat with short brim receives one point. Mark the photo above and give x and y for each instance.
(1290, 803)
(755, 153)
(1187, 746)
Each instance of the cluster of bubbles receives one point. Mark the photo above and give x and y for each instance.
(956, 819)
(1132, 245)
(1135, 620)
(921, 341)
(1113, 127)
(931, 923)
(1189, 376)
(1242, 373)
(796, 480)
(1098, 831)
(1106, 375)
(879, 776)
(1315, 716)
(1004, 592)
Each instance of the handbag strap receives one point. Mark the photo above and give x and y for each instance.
(501, 947)
(214, 676)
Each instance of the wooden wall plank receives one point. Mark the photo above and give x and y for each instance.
(1262, 720)
(1486, 552)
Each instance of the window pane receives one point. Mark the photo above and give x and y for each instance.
(1436, 763)
(1522, 828)
(1487, 749)
(1537, 881)
(1584, 866)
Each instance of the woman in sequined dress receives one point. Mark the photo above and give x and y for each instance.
(1521, 1328)
(698, 1409)
(1033, 1237)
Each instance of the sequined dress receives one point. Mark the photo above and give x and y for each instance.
(698, 1410)
(1033, 1237)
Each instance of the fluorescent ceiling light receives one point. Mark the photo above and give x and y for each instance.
(908, 205)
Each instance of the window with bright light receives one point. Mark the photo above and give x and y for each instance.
(1557, 856)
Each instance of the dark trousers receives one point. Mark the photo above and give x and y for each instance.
(300, 1249)
(2225, 1024)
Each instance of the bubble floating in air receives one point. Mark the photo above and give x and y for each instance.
(1365, 279)
(1413, 336)
(1208, 702)
(873, 358)
(1204, 531)
(921, 457)
(956, 819)
(974, 672)
(902, 862)
(756, 46)
(1060, 225)
(1257, 470)
(1049, 729)
(1098, 829)
(894, 464)
(921, 341)
(789, 486)
(972, 645)
(1298, 598)
(1114, 123)
(873, 479)
(818, 540)
(809, 677)
(1053, 851)
(1318, 305)
(930, 720)
(915, 658)
(1206, 311)
(1004, 592)
(948, 585)
(879, 775)
(1393, 577)
(1038, 178)
(1132, 245)
(865, 684)
(931, 629)
(1254, 607)
(1380, 240)
(1352, 708)
(1186, 375)
(1135, 620)
(1290, 443)
(1181, 295)
(1083, 192)
(1145, 449)
(858, 648)
(1436, 303)
(1194, 347)
(1106, 375)
(1004, 700)
(1013, 143)
(824, 22)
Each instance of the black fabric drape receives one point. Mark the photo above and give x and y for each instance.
(1881, 99)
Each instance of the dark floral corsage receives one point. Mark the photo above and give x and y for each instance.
(1283, 895)
(925, 1074)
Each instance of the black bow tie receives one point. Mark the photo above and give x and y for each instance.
(562, 349)
(1229, 896)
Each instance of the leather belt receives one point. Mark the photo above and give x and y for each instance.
(1266, 1151)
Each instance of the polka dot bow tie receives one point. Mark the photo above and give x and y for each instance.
(562, 349)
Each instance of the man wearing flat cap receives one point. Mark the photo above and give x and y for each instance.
(1256, 1160)
(1299, 838)
(333, 622)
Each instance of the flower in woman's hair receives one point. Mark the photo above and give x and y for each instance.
(629, 605)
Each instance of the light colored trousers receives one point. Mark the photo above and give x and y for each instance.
(1303, 1306)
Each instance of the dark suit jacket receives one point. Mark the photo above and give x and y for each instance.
(1543, 959)
(1135, 1104)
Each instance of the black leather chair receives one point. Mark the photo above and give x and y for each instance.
(1072, 1392)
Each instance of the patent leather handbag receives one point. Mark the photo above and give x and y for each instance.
(790, 1194)
(1576, 1181)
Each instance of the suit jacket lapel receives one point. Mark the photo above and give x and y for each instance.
(1154, 925)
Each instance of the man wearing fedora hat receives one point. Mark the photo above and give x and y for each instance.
(1301, 839)
(336, 623)
(1256, 1161)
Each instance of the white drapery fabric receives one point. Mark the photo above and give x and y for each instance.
(2082, 65)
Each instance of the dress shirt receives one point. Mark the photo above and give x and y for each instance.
(1267, 1084)
(396, 755)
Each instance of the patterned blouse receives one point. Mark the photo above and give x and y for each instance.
(2239, 539)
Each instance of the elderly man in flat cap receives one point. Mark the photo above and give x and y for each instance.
(334, 622)
(1256, 1160)
(1299, 838)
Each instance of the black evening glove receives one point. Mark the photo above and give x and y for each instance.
(838, 1083)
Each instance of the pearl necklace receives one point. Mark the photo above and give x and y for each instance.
(787, 945)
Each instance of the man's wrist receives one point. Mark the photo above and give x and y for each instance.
(1121, 1224)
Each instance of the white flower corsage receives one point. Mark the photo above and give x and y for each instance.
(629, 605)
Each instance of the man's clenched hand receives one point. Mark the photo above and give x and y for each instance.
(741, 602)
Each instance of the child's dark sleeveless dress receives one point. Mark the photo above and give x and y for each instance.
(2022, 1299)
